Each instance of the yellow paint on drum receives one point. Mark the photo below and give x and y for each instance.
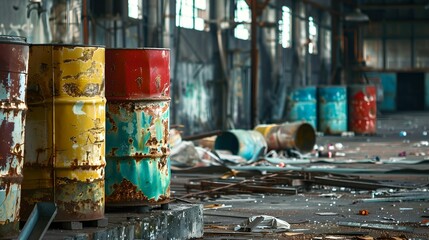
(70, 80)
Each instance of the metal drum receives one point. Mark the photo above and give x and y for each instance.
(302, 105)
(13, 82)
(246, 143)
(298, 135)
(137, 126)
(65, 161)
(332, 109)
(362, 109)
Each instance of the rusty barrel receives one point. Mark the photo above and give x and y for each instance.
(302, 105)
(137, 126)
(13, 82)
(65, 160)
(362, 109)
(298, 135)
(332, 107)
(245, 143)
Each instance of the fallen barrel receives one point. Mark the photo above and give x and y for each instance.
(245, 143)
(297, 135)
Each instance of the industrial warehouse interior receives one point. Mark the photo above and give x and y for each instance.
(204, 119)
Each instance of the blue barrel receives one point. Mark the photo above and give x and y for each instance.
(332, 109)
(302, 105)
(246, 143)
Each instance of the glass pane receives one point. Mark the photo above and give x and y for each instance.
(398, 54)
(373, 53)
(285, 27)
(421, 53)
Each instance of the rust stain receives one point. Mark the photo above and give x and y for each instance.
(139, 81)
(127, 191)
(162, 163)
(112, 122)
(5, 128)
(91, 90)
(158, 82)
(113, 152)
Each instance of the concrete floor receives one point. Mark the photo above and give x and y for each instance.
(389, 158)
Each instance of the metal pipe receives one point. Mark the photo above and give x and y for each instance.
(254, 64)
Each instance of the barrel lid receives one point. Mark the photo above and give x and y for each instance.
(68, 45)
(12, 39)
(142, 48)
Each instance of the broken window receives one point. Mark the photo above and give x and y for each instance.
(243, 18)
(285, 28)
(192, 14)
(312, 36)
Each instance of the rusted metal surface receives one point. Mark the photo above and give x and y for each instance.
(65, 159)
(363, 109)
(299, 135)
(332, 106)
(137, 73)
(137, 127)
(302, 105)
(246, 143)
(13, 81)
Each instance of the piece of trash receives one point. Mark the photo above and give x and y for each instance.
(340, 154)
(363, 212)
(330, 195)
(424, 222)
(263, 223)
(402, 133)
(402, 154)
(425, 133)
(347, 134)
(327, 214)
(405, 209)
(339, 146)
(216, 206)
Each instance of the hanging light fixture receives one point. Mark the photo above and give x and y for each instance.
(357, 16)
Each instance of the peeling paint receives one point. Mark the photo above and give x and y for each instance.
(13, 81)
(138, 163)
(363, 109)
(73, 122)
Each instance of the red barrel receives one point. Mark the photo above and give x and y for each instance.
(363, 109)
(137, 127)
(143, 72)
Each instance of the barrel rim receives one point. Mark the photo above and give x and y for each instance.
(12, 39)
(140, 48)
(66, 45)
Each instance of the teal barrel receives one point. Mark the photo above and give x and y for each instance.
(332, 104)
(245, 143)
(302, 105)
(13, 84)
(386, 101)
(137, 127)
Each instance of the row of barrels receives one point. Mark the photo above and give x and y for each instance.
(81, 126)
(335, 109)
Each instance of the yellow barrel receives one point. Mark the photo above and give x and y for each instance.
(65, 160)
(299, 135)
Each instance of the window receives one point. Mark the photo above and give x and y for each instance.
(135, 9)
(312, 36)
(191, 14)
(243, 18)
(285, 28)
